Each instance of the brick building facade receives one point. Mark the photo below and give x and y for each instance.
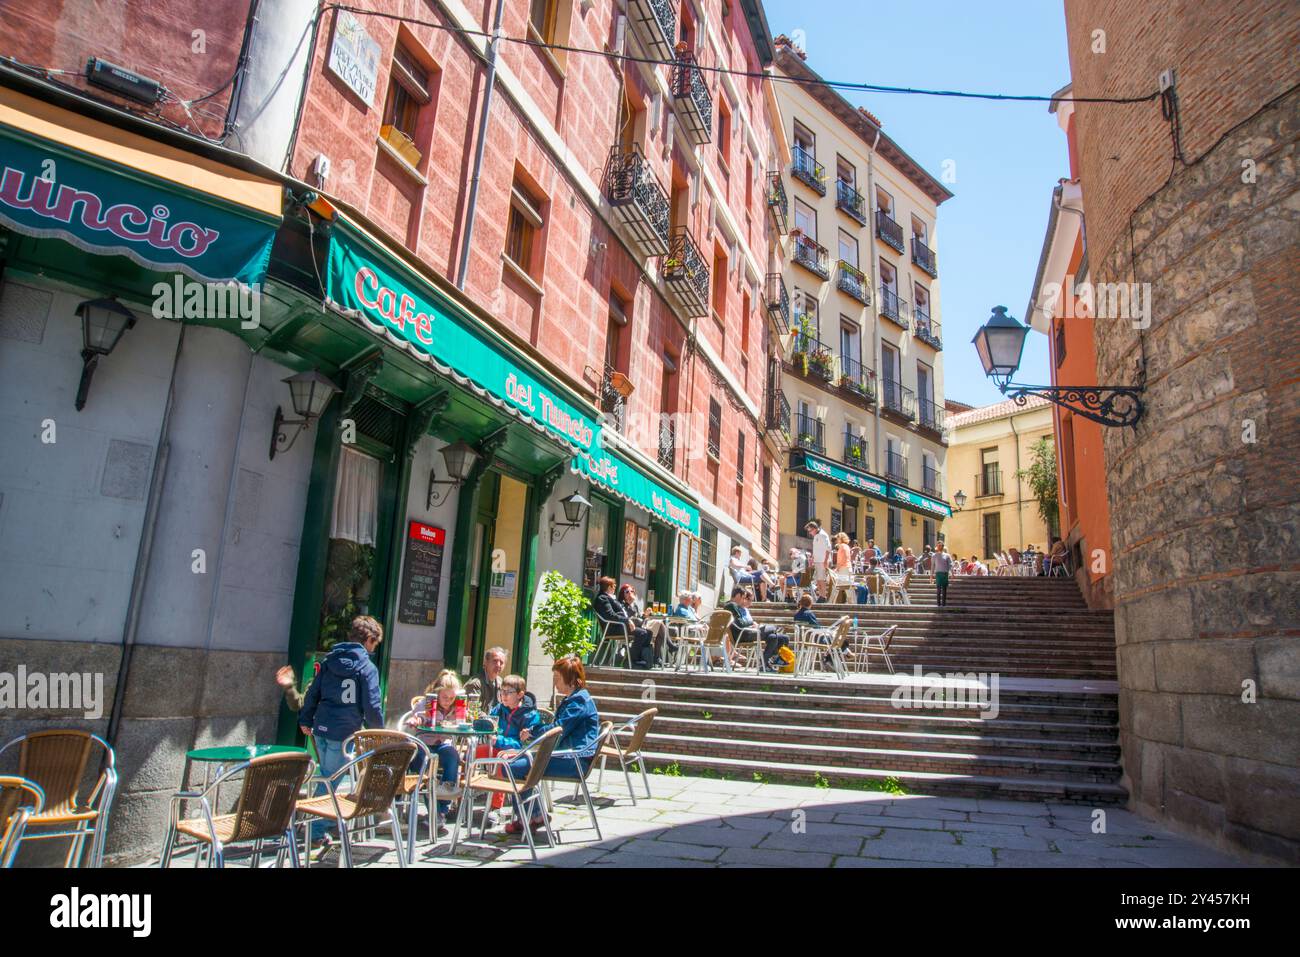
(1202, 494)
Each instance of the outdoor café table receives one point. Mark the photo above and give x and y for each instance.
(214, 760)
(460, 734)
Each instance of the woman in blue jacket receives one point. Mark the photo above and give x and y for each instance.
(577, 717)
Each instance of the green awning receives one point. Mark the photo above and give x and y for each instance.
(616, 474)
(858, 481)
(51, 190)
(394, 302)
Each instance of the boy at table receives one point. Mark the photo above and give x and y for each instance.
(516, 710)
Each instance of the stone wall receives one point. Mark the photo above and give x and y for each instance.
(1203, 497)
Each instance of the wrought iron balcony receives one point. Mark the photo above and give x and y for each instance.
(686, 275)
(811, 255)
(854, 282)
(900, 401)
(778, 416)
(811, 358)
(925, 257)
(765, 529)
(655, 24)
(808, 170)
(924, 329)
(851, 201)
(889, 231)
(857, 379)
(778, 204)
(855, 450)
(988, 482)
(809, 433)
(930, 482)
(930, 416)
(612, 402)
(896, 467)
(893, 308)
(639, 202)
(667, 440)
(692, 101)
(777, 300)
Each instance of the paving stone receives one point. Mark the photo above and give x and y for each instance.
(714, 836)
(844, 840)
(775, 858)
(663, 848)
(624, 859)
(748, 823)
(847, 861)
(910, 823)
(909, 846)
(1006, 820)
(1002, 838)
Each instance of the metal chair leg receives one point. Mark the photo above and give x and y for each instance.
(346, 840)
(399, 844)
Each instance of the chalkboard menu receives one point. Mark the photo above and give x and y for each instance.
(421, 571)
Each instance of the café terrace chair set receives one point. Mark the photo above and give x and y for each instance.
(47, 798)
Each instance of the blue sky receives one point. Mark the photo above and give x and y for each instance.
(1008, 156)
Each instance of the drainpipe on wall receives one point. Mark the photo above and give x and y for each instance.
(462, 269)
(875, 291)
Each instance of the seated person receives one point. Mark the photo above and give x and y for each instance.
(580, 722)
(742, 619)
(444, 689)
(610, 609)
(741, 572)
(804, 615)
(516, 710)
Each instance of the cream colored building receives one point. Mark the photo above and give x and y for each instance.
(987, 447)
(859, 387)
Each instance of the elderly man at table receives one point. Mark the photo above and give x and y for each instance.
(344, 698)
(745, 629)
(487, 683)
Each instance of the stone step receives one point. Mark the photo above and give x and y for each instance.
(887, 716)
(914, 782)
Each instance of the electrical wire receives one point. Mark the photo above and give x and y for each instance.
(748, 74)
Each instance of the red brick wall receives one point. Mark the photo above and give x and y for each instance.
(154, 38)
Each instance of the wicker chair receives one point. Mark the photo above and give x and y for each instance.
(638, 728)
(19, 800)
(814, 643)
(611, 634)
(57, 762)
(378, 790)
(606, 730)
(897, 590)
(370, 739)
(540, 751)
(263, 812)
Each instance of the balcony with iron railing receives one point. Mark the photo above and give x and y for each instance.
(811, 255)
(896, 467)
(930, 416)
(806, 169)
(765, 529)
(925, 329)
(778, 203)
(777, 300)
(897, 401)
(612, 401)
(854, 282)
(890, 233)
(851, 201)
(655, 24)
(667, 440)
(930, 482)
(809, 433)
(855, 450)
(925, 257)
(811, 358)
(892, 307)
(692, 101)
(778, 416)
(685, 275)
(640, 204)
(988, 482)
(857, 380)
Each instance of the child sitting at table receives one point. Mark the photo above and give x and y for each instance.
(516, 710)
(444, 689)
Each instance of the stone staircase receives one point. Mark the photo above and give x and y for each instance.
(1054, 736)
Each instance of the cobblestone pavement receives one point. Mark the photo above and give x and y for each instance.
(707, 822)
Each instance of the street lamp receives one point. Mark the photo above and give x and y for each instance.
(310, 392)
(460, 459)
(959, 500)
(1000, 343)
(575, 508)
(102, 323)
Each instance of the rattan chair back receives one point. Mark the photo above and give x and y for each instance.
(268, 796)
(383, 776)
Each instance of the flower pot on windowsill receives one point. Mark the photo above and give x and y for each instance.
(401, 144)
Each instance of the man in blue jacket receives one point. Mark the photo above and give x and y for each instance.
(344, 698)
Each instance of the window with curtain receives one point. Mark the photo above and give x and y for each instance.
(356, 498)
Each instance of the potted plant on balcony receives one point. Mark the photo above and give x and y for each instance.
(822, 362)
(807, 440)
(855, 454)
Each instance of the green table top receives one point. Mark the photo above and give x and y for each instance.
(233, 754)
(452, 731)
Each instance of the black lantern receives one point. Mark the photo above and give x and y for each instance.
(1000, 343)
(102, 323)
(959, 500)
(575, 509)
(310, 392)
(460, 459)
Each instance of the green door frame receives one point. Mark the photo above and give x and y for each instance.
(539, 493)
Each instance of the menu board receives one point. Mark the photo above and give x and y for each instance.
(421, 573)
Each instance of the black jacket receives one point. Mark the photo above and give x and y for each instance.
(610, 608)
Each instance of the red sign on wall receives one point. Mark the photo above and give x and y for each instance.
(428, 533)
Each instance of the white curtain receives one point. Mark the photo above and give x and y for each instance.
(356, 498)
